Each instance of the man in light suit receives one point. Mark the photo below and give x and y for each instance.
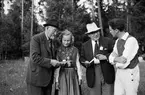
(100, 74)
(42, 61)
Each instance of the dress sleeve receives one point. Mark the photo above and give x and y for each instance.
(56, 74)
(79, 69)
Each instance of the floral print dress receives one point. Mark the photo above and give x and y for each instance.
(68, 76)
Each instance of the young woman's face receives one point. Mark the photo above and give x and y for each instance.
(66, 40)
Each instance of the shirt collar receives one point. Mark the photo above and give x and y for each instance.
(94, 42)
(124, 37)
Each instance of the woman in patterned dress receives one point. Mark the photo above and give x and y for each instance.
(69, 76)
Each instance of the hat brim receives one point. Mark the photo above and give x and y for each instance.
(45, 25)
(87, 33)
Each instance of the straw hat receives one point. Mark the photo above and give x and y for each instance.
(92, 28)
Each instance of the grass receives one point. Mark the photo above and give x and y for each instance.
(12, 77)
(13, 73)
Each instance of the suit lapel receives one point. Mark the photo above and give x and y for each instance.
(90, 48)
(100, 42)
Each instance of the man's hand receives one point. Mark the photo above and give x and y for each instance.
(69, 63)
(57, 86)
(80, 81)
(96, 60)
(101, 57)
(120, 59)
(87, 63)
(55, 63)
(63, 62)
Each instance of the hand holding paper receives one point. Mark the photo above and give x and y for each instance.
(101, 57)
(96, 61)
(86, 63)
(64, 62)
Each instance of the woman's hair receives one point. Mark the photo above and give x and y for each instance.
(117, 23)
(66, 32)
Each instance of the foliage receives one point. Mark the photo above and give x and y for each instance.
(8, 38)
(11, 36)
(133, 12)
(69, 16)
(138, 21)
(6, 43)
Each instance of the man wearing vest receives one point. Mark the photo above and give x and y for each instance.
(125, 59)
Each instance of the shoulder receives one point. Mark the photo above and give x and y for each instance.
(87, 42)
(75, 48)
(131, 39)
(37, 36)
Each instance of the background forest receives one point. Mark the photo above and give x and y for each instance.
(22, 22)
(24, 18)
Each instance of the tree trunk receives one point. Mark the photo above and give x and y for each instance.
(22, 25)
(32, 12)
(128, 16)
(100, 18)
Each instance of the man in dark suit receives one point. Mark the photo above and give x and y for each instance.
(42, 61)
(100, 74)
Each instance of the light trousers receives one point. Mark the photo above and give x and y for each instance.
(127, 81)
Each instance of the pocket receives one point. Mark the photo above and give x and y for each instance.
(90, 76)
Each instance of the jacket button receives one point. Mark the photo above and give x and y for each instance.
(132, 80)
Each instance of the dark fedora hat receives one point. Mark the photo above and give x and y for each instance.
(51, 22)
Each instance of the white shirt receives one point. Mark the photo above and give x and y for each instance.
(130, 50)
(93, 47)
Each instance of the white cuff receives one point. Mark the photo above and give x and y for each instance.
(111, 60)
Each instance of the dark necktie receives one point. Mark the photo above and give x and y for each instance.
(52, 48)
(96, 48)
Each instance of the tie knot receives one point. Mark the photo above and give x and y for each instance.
(97, 42)
(50, 40)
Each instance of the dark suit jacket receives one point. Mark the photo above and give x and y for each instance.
(107, 69)
(40, 70)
